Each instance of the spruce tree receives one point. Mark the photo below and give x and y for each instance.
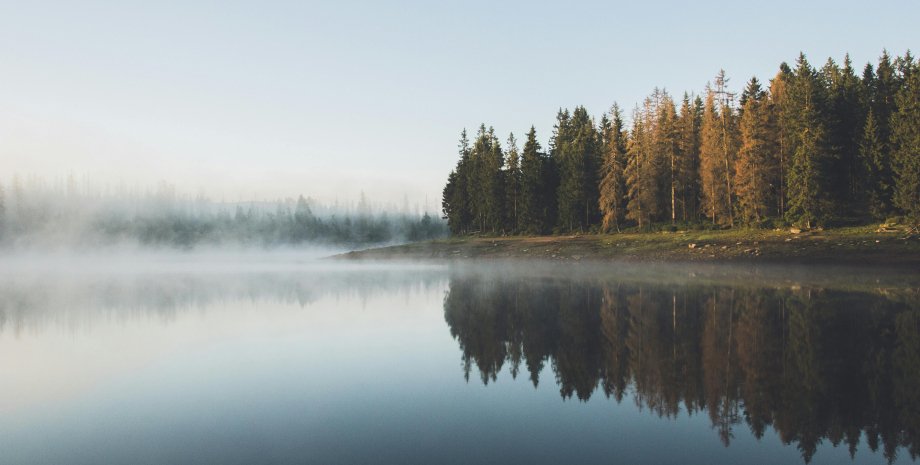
(457, 199)
(881, 88)
(487, 181)
(667, 149)
(612, 182)
(781, 106)
(712, 167)
(643, 167)
(533, 200)
(513, 179)
(873, 163)
(756, 164)
(845, 117)
(575, 150)
(807, 182)
(688, 182)
(905, 140)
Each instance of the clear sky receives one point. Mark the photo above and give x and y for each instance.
(263, 99)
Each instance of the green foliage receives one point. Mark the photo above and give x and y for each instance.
(755, 167)
(808, 175)
(612, 191)
(576, 151)
(875, 188)
(905, 137)
(513, 180)
(534, 193)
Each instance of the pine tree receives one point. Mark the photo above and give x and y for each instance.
(513, 186)
(755, 166)
(781, 106)
(845, 119)
(873, 164)
(728, 140)
(688, 185)
(643, 167)
(612, 184)
(457, 200)
(881, 88)
(807, 180)
(533, 198)
(667, 150)
(575, 149)
(559, 153)
(712, 166)
(905, 140)
(487, 181)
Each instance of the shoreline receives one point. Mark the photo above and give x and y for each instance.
(862, 246)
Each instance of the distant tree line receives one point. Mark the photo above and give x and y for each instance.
(40, 216)
(815, 147)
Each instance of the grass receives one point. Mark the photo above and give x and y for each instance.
(861, 245)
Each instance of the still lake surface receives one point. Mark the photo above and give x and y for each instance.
(325, 363)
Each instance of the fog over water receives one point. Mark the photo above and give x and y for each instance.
(36, 214)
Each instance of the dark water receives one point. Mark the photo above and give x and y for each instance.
(428, 364)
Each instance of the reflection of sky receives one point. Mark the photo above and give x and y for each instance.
(349, 377)
(68, 347)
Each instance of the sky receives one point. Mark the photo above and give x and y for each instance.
(266, 99)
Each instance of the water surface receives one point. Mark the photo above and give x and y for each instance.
(312, 362)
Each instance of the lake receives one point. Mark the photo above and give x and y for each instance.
(321, 362)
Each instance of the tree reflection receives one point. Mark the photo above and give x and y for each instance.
(814, 364)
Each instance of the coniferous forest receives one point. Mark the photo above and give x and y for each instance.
(815, 146)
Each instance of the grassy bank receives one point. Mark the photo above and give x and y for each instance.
(892, 246)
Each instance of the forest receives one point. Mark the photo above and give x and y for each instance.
(814, 147)
(36, 213)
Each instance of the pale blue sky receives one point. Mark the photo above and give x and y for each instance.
(264, 99)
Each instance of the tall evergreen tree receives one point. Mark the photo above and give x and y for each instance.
(905, 140)
(643, 168)
(873, 163)
(667, 149)
(575, 149)
(533, 188)
(513, 180)
(456, 199)
(845, 120)
(728, 138)
(712, 167)
(756, 164)
(881, 88)
(807, 177)
(612, 185)
(688, 133)
(488, 160)
(781, 105)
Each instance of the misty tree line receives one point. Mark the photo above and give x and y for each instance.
(815, 147)
(36, 216)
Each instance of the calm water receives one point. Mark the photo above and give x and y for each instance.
(310, 363)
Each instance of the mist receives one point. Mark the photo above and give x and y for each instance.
(69, 217)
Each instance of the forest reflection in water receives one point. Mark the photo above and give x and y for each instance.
(820, 359)
(814, 363)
